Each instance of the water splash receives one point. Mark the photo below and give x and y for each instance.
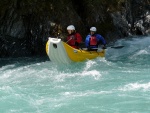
(136, 86)
(131, 47)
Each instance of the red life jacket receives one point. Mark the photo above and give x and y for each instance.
(93, 41)
(72, 39)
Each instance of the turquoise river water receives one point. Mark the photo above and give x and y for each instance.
(119, 83)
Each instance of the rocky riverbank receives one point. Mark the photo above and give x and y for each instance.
(25, 25)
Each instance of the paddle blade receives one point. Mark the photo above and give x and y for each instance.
(117, 47)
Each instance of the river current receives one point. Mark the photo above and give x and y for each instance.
(119, 83)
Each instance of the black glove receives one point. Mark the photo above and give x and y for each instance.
(104, 47)
(76, 44)
(89, 48)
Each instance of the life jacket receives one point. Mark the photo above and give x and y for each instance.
(93, 41)
(71, 40)
(74, 39)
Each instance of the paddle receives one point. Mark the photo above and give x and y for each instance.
(116, 47)
(69, 40)
(82, 46)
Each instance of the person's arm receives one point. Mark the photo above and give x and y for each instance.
(102, 41)
(79, 38)
(87, 40)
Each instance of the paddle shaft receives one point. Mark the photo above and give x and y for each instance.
(69, 40)
(114, 47)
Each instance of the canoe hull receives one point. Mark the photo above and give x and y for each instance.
(59, 51)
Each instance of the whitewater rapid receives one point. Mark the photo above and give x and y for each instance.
(119, 83)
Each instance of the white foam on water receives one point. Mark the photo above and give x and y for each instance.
(48, 87)
(89, 64)
(96, 74)
(84, 94)
(136, 86)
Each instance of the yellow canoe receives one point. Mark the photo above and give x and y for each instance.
(59, 51)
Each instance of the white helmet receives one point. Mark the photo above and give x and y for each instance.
(93, 29)
(70, 27)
